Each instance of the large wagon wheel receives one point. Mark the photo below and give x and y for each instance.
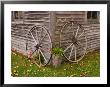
(39, 45)
(73, 40)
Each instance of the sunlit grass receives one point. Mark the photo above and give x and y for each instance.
(89, 66)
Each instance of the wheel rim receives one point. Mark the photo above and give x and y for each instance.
(73, 40)
(39, 45)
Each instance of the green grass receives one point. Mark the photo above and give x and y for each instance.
(89, 66)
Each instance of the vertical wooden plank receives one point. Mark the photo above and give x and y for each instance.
(85, 18)
(52, 24)
(23, 16)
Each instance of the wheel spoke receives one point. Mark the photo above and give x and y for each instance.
(34, 38)
(77, 32)
(72, 28)
(42, 39)
(39, 57)
(33, 52)
(37, 38)
(71, 51)
(80, 45)
(46, 43)
(43, 55)
(69, 41)
(41, 33)
(45, 49)
(68, 47)
(81, 34)
(75, 52)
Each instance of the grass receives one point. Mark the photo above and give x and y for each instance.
(89, 66)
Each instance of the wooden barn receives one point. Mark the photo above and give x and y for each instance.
(55, 27)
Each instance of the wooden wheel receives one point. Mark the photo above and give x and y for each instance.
(39, 45)
(73, 40)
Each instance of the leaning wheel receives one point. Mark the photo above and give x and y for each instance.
(39, 45)
(73, 40)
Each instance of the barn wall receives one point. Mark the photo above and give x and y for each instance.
(63, 17)
(92, 32)
(20, 31)
(92, 29)
(54, 23)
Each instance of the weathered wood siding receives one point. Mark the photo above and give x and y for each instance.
(93, 36)
(54, 22)
(92, 29)
(20, 28)
(63, 17)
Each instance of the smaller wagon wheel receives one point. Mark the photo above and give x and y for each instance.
(39, 45)
(73, 40)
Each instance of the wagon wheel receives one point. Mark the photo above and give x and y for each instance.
(73, 40)
(39, 45)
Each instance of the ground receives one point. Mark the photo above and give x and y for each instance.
(89, 66)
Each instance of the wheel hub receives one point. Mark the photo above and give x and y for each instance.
(74, 40)
(37, 46)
